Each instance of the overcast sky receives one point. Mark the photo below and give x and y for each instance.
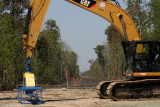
(80, 29)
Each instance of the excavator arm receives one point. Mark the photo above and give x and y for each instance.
(112, 12)
(36, 15)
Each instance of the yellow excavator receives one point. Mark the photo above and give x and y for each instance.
(142, 58)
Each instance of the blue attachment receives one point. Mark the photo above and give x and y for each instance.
(33, 90)
(28, 65)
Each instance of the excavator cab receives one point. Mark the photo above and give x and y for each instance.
(142, 64)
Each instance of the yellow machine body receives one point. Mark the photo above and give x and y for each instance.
(29, 80)
(145, 74)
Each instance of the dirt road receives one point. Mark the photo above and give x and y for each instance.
(73, 98)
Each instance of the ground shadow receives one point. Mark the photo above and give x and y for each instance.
(44, 101)
(8, 99)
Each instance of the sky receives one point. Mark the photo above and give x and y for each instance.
(80, 29)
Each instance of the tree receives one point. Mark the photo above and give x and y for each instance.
(51, 25)
(138, 11)
(47, 56)
(113, 53)
(155, 17)
(109, 56)
(52, 57)
(99, 51)
(11, 25)
(91, 61)
(11, 58)
(15, 8)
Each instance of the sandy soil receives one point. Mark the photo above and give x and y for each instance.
(73, 98)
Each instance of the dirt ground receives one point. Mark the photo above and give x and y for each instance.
(73, 98)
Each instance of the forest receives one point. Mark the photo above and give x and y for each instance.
(110, 60)
(51, 59)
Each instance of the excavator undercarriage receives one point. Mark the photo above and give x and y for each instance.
(143, 71)
(130, 90)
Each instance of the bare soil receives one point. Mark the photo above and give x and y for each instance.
(73, 98)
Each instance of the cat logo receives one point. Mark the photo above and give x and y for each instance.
(86, 3)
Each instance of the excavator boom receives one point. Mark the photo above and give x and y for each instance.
(112, 13)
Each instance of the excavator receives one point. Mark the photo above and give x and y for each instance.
(142, 58)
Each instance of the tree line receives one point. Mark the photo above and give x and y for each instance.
(51, 58)
(110, 59)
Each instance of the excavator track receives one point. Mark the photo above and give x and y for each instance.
(148, 89)
(101, 89)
